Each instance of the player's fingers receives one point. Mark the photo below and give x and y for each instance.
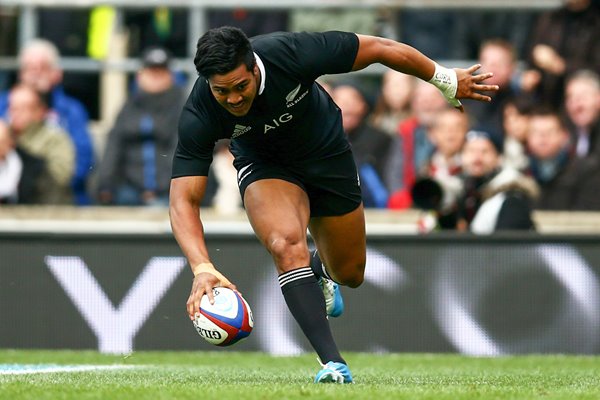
(191, 308)
(481, 97)
(208, 291)
(487, 88)
(193, 303)
(473, 68)
(482, 77)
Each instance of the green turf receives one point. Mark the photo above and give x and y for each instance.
(240, 376)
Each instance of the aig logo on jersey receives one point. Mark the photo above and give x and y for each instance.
(276, 122)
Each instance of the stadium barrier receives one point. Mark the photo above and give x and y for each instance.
(501, 294)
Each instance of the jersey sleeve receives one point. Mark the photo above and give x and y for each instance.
(320, 53)
(194, 151)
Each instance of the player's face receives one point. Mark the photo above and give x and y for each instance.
(236, 90)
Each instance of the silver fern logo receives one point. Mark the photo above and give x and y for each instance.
(292, 95)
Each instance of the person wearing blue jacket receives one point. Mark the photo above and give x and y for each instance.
(39, 67)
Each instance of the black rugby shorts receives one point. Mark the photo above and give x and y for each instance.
(331, 183)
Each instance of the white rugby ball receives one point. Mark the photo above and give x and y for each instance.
(225, 322)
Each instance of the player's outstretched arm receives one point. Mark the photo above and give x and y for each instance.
(186, 193)
(454, 83)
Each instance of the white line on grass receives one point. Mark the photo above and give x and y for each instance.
(21, 369)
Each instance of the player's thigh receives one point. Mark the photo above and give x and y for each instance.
(342, 245)
(279, 212)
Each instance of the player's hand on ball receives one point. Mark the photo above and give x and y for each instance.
(205, 280)
(470, 86)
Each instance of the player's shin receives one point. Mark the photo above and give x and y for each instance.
(305, 301)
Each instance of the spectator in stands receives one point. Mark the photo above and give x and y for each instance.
(447, 134)
(582, 104)
(413, 147)
(439, 184)
(393, 103)
(549, 160)
(370, 146)
(494, 198)
(515, 125)
(496, 56)
(27, 110)
(11, 166)
(19, 171)
(136, 166)
(445, 165)
(564, 40)
(39, 67)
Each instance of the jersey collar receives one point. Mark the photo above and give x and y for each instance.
(263, 74)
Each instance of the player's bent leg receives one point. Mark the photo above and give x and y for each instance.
(279, 212)
(341, 242)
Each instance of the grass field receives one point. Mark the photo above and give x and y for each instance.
(241, 376)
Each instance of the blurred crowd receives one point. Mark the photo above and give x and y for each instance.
(535, 146)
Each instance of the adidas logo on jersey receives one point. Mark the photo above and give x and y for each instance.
(239, 130)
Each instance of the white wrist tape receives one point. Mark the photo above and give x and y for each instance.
(445, 79)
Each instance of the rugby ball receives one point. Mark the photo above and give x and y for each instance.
(225, 322)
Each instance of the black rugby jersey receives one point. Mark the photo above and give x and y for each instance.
(292, 120)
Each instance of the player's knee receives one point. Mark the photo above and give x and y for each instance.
(352, 276)
(355, 280)
(286, 248)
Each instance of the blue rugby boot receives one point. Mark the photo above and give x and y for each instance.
(334, 372)
(334, 302)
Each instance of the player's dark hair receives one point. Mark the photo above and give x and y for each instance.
(221, 50)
